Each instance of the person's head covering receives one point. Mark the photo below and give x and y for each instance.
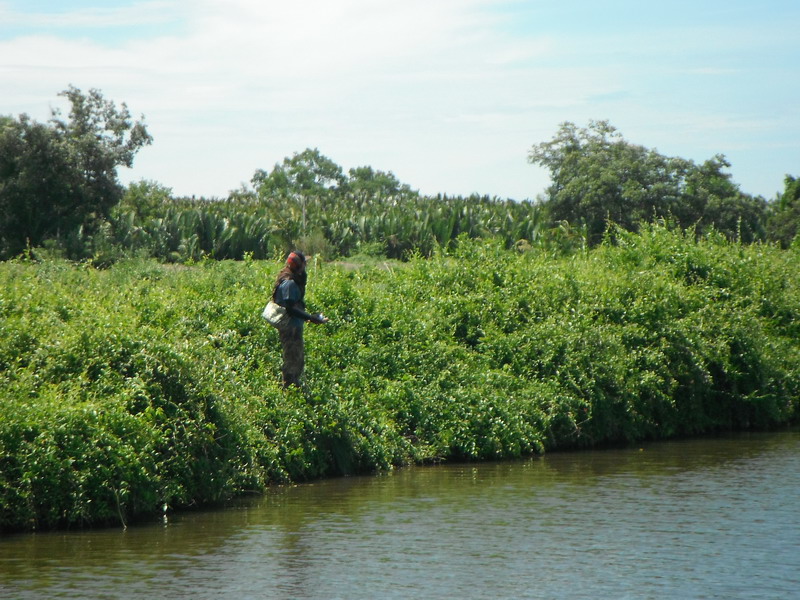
(296, 261)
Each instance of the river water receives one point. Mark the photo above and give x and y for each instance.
(711, 518)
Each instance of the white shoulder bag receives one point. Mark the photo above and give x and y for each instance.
(276, 315)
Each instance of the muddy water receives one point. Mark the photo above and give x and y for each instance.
(714, 518)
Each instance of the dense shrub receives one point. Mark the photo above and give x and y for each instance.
(143, 387)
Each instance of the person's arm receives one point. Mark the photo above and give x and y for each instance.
(288, 296)
(296, 310)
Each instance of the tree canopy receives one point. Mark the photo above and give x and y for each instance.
(58, 176)
(599, 177)
(365, 183)
(311, 174)
(307, 173)
(784, 222)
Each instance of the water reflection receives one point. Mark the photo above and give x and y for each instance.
(687, 519)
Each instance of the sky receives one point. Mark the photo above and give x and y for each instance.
(449, 95)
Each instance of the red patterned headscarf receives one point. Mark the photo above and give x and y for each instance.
(295, 261)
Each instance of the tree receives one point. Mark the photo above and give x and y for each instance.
(36, 185)
(599, 177)
(366, 184)
(791, 192)
(60, 176)
(307, 173)
(145, 199)
(711, 199)
(784, 221)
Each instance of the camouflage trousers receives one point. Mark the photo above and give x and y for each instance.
(293, 355)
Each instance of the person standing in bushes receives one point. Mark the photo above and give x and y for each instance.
(289, 292)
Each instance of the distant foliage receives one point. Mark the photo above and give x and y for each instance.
(598, 178)
(58, 181)
(59, 196)
(784, 219)
(143, 386)
(339, 224)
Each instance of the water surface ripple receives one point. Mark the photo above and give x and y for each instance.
(713, 518)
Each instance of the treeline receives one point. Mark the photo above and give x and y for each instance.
(308, 202)
(59, 192)
(143, 386)
(599, 178)
(181, 230)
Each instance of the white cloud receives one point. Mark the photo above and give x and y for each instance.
(447, 94)
(141, 13)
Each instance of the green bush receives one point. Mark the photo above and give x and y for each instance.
(143, 386)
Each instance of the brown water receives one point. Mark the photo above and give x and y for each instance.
(715, 518)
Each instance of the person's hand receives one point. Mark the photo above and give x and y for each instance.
(321, 319)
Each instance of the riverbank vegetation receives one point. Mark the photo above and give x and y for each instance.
(641, 297)
(147, 387)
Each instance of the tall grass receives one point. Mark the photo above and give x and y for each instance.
(145, 386)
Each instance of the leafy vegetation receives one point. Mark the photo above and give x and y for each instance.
(145, 386)
(188, 230)
(599, 178)
(635, 301)
(59, 190)
(784, 217)
(58, 181)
